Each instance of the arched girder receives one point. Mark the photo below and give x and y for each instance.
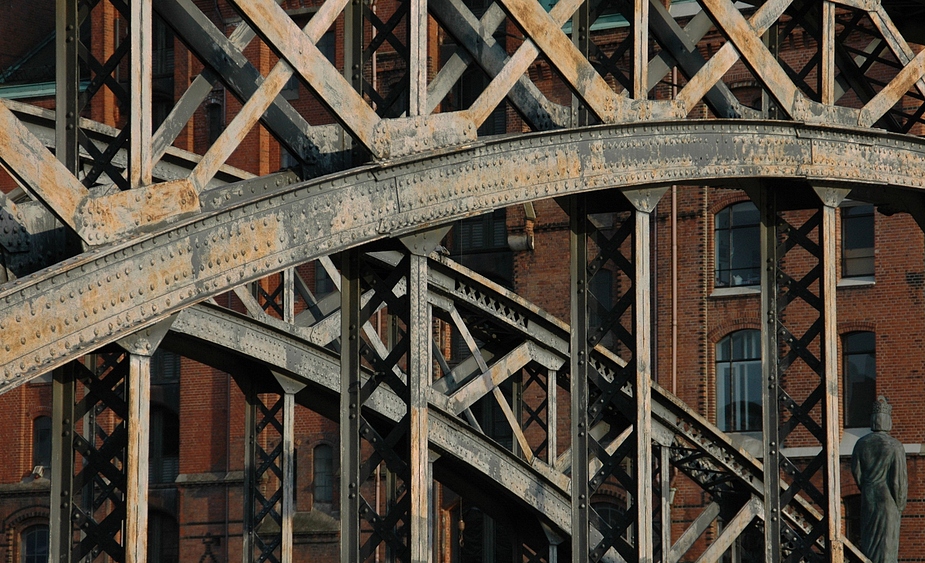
(115, 290)
(318, 368)
(538, 486)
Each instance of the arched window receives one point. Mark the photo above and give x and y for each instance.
(323, 474)
(738, 246)
(41, 441)
(738, 382)
(859, 363)
(34, 546)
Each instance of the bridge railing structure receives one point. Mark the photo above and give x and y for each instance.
(117, 236)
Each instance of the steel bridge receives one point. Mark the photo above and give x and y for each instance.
(118, 243)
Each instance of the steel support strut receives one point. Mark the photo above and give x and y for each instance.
(263, 474)
(831, 198)
(419, 328)
(798, 513)
(139, 429)
(578, 252)
(140, 347)
(350, 402)
(769, 353)
(141, 161)
(61, 528)
(67, 92)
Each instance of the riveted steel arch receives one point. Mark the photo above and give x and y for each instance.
(247, 237)
(118, 237)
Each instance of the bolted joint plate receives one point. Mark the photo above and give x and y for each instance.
(810, 111)
(395, 138)
(626, 110)
(106, 219)
(13, 234)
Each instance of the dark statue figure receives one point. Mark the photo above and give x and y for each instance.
(879, 467)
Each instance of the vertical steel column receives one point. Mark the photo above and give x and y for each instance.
(62, 464)
(643, 390)
(290, 388)
(67, 93)
(418, 383)
(289, 293)
(141, 158)
(552, 417)
(417, 53)
(640, 49)
(67, 78)
(578, 320)
(136, 471)
(831, 198)
(250, 470)
(354, 14)
(581, 38)
(665, 482)
(827, 46)
(350, 408)
(768, 105)
(141, 347)
(644, 202)
(767, 206)
(288, 474)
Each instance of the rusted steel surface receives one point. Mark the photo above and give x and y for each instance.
(196, 258)
(404, 155)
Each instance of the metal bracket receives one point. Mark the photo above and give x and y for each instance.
(831, 197)
(288, 384)
(646, 199)
(146, 341)
(423, 243)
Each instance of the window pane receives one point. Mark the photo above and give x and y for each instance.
(857, 240)
(860, 368)
(323, 487)
(738, 381)
(722, 395)
(41, 441)
(737, 246)
(745, 256)
(35, 545)
(744, 214)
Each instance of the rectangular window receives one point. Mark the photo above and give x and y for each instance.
(857, 231)
(859, 364)
(737, 245)
(738, 382)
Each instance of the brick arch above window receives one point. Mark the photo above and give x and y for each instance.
(39, 410)
(856, 326)
(721, 199)
(728, 326)
(25, 517)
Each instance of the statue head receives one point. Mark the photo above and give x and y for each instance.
(881, 419)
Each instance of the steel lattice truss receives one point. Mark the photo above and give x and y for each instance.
(401, 152)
